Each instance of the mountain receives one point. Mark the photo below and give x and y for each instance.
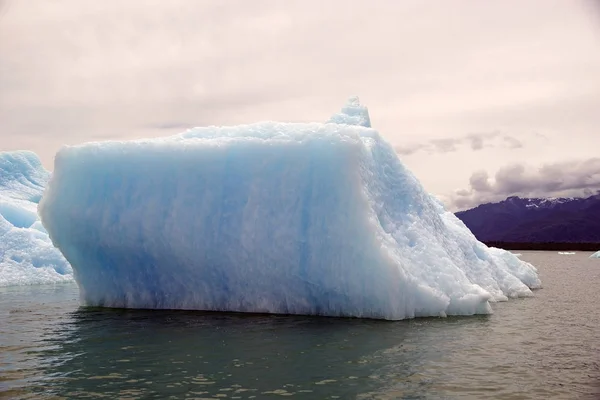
(535, 220)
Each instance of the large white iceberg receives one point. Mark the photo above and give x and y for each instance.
(298, 218)
(27, 255)
(595, 255)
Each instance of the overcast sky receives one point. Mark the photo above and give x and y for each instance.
(480, 99)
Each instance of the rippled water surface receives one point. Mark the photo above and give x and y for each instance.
(545, 347)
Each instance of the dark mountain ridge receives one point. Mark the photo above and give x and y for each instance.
(536, 220)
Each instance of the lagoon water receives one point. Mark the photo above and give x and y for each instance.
(543, 347)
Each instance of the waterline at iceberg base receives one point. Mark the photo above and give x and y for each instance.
(292, 218)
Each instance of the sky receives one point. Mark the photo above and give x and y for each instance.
(481, 100)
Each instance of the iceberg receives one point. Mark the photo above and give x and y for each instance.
(596, 254)
(27, 255)
(288, 218)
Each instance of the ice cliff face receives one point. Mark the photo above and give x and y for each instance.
(27, 255)
(295, 218)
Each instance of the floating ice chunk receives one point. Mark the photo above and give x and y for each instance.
(566, 253)
(27, 255)
(294, 218)
(595, 255)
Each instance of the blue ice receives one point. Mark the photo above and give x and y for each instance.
(294, 218)
(27, 255)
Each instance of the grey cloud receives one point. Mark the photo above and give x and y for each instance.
(462, 192)
(409, 149)
(476, 141)
(570, 178)
(512, 142)
(444, 145)
(479, 182)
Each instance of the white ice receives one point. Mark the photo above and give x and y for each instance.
(299, 218)
(595, 255)
(27, 255)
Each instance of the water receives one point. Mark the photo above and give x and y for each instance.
(537, 348)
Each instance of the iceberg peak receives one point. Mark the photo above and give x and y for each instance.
(352, 113)
(353, 101)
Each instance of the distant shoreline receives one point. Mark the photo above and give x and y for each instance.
(550, 246)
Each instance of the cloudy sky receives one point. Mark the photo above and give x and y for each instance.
(480, 99)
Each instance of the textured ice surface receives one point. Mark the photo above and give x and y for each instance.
(301, 218)
(353, 113)
(27, 255)
(595, 255)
